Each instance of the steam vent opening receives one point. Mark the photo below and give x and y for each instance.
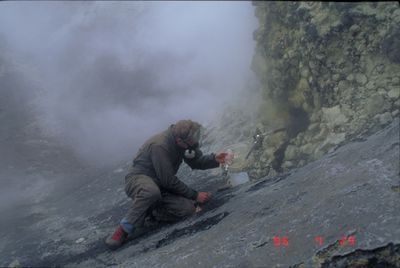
(298, 121)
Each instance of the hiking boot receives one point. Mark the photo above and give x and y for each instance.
(116, 239)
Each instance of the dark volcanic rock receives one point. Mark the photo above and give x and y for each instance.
(349, 193)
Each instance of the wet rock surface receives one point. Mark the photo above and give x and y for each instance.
(348, 192)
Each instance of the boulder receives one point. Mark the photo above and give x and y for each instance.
(374, 104)
(331, 140)
(394, 93)
(333, 116)
(384, 119)
(361, 79)
(291, 152)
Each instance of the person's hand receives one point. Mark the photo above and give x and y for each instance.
(220, 157)
(224, 157)
(203, 197)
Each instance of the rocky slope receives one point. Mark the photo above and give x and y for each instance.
(349, 199)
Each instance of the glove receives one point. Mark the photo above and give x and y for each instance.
(203, 197)
(225, 157)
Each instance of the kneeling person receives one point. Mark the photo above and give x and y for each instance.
(152, 183)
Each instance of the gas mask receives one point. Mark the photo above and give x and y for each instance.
(190, 152)
(194, 139)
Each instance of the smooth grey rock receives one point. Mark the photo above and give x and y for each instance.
(329, 198)
(347, 192)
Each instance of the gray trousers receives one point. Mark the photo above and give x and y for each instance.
(149, 200)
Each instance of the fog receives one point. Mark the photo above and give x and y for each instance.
(106, 75)
(84, 84)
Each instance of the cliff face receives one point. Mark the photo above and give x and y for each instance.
(329, 73)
